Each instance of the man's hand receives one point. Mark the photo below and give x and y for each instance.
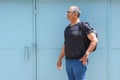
(84, 59)
(59, 64)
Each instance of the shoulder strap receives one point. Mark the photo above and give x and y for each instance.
(81, 28)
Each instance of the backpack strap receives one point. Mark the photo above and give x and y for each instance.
(83, 33)
(81, 28)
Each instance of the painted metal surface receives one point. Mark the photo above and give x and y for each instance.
(16, 39)
(114, 60)
(32, 34)
(51, 24)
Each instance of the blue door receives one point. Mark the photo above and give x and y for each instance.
(16, 40)
(51, 24)
(31, 40)
(114, 59)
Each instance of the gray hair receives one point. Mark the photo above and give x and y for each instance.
(77, 9)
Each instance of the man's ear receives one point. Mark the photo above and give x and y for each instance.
(76, 14)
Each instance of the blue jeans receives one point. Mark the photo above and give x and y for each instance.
(75, 69)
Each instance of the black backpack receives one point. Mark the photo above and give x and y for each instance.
(82, 31)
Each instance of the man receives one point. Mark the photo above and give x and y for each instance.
(74, 49)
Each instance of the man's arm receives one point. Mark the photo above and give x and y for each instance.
(94, 41)
(92, 37)
(59, 62)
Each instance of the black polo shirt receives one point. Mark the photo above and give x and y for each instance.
(74, 42)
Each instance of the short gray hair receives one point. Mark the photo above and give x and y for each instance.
(77, 9)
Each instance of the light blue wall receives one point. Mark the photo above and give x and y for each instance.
(16, 40)
(114, 52)
(32, 34)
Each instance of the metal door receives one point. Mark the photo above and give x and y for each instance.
(29, 27)
(114, 60)
(51, 24)
(16, 40)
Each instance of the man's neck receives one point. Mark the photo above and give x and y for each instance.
(75, 21)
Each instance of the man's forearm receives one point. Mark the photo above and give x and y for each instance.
(62, 53)
(91, 47)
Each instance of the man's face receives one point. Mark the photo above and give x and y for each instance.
(71, 15)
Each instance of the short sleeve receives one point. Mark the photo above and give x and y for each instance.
(87, 28)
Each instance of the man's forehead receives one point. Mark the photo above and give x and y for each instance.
(72, 8)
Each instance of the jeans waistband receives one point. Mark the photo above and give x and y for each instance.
(72, 58)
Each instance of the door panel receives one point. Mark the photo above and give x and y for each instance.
(51, 24)
(14, 65)
(115, 11)
(50, 40)
(16, 23)
(16, 39)
(114, 61)
(47, 65)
